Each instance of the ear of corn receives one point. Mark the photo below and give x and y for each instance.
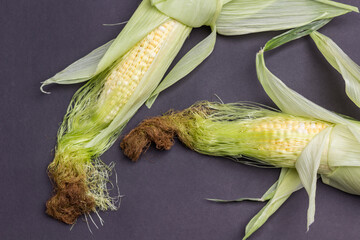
(304, 136)
(127, 84)
(251, 131)
(236, 130)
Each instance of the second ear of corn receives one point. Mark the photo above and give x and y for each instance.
(242, 130)
(303, 139)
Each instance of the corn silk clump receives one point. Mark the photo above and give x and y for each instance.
(303, 139)
(125, 73)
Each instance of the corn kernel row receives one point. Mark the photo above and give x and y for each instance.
(122, 81)
(281, 136)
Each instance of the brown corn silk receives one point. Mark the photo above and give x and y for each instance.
(71, 199)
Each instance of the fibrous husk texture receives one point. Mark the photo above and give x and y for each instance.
(71, 195)
(157, 130)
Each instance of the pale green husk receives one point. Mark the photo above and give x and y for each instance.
(346, 138)
(277, 194)
(341, 62)
(322, 146)
(249, 16)
(228, 130)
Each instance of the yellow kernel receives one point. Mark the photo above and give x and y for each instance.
(257, 129)
(163, 29)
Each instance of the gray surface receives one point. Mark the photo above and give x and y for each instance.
(165, 191)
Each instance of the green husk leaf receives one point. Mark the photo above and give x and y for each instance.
(267, 196)
(295, 34)
(144, 20)
(346, 171)
(290, 101)
(81, 70)
(189, 12)
(342, 63)
(186, 64)
(293, 103)
(249, 16)
(345, 179)
(288, 183)
(343, 143)
(307, 166)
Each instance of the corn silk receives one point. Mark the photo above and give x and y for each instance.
(303, 139)
(126, 72)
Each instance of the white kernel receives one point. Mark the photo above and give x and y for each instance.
(162, 28)
(135, 78)
(126, 83)
(302, 130)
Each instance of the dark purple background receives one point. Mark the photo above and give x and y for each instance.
(165, 191)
